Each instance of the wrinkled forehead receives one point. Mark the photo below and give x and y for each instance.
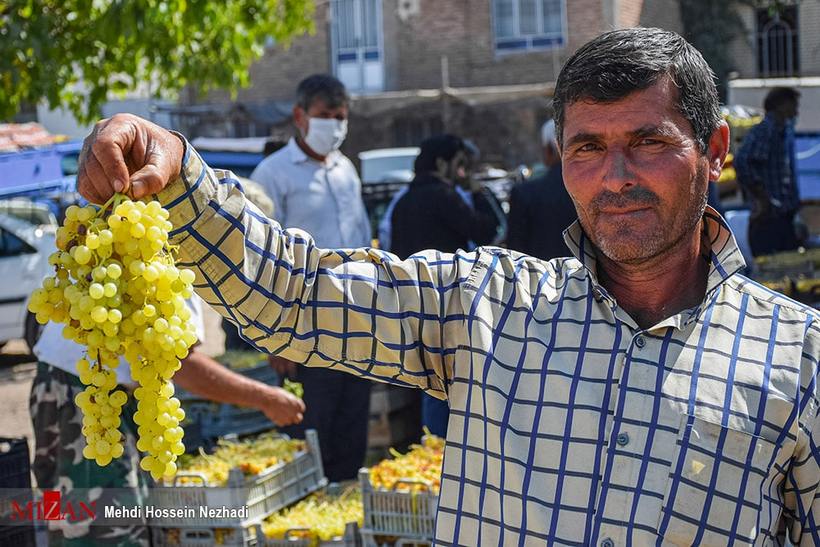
(655, 107)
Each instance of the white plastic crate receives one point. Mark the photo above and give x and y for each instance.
(351, 538)
(397, 518)
(203, 537)
(265, 493)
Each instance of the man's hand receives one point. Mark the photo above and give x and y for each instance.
(127, 154)
(281, 407)
(283, 367)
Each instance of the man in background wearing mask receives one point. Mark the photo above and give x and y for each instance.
(765, 171)
(315, 187)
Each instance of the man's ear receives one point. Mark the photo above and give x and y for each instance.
(300, 119)
(718, 148)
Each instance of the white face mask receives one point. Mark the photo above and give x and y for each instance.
(325, 135)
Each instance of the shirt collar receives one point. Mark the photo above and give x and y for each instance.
(725, 256)
(297, 155)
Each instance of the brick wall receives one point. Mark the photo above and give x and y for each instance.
(809, 23)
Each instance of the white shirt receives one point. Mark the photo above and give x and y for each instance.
(325, 199)
(52, 348)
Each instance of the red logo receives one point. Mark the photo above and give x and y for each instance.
(52, 508)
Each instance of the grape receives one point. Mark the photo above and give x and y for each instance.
(118, 292)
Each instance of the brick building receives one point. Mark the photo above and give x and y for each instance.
(483, 69)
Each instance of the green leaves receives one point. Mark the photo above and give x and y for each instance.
(75, 53)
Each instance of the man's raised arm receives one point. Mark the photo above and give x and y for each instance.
(359, 310)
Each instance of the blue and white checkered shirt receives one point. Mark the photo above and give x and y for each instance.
(569, 424)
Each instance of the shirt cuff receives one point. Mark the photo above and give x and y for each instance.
(187, 197)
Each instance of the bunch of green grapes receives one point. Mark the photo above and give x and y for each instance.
(251, 456)
(294, 388)
(317, 518)
(118, 292)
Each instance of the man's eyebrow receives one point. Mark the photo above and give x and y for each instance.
(583, 137)
(653, 131)
(650, 130)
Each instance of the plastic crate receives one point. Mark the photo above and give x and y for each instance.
(17, 536)
(203, 537)
(212, 421)
(351, 538)
(15, 475)
(15, 470)
(272, 489)
(397, 518)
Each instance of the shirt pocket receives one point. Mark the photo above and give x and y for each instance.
(714, 489)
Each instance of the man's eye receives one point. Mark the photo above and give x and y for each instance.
(588, 147)
(650, 142)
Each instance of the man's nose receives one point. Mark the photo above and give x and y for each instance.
(617, 175)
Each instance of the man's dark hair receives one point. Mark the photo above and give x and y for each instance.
(440, 146)
(621, 62)
(322, 87)
(778, 96)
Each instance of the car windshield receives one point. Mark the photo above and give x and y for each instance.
(374, 169)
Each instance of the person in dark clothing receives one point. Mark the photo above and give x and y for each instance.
(540, 208)
(433, 215)
(765, 172)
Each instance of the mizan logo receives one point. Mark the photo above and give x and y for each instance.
(52, 508)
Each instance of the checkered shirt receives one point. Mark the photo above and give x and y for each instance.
(569, 424)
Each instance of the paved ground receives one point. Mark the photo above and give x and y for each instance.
(17, 370)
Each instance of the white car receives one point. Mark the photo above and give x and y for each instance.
(388, 165)
(24, 251)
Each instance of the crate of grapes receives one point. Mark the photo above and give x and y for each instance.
(402, 511)
(302, 537)
(168, 536)
(327, 518)
(262, 474)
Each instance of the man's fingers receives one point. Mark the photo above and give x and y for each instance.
(109, 154)
(97, 179)
(85, 188)
(148, 180)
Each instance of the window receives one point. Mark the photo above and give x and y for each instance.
(356, 39)
(11, 245)
(778, 42)
(528, 24)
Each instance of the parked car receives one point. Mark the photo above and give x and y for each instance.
(24, 252)
(384, 172)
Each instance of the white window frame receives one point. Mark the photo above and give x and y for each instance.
(361, 58)
(519, 43)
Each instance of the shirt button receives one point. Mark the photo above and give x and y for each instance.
(622, 439)
(607, 543)
(640, 341)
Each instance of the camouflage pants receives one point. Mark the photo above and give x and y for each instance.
(59, 463)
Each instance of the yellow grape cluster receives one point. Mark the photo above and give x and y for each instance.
(423, 463)
(319, 517)
(118, 292)
(251, 456)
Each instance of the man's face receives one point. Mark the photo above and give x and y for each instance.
(788, 110)
(635, 172)
(455, 171)
(317, 109)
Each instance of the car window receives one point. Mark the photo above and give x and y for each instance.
(11, 245)
(373, 169)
